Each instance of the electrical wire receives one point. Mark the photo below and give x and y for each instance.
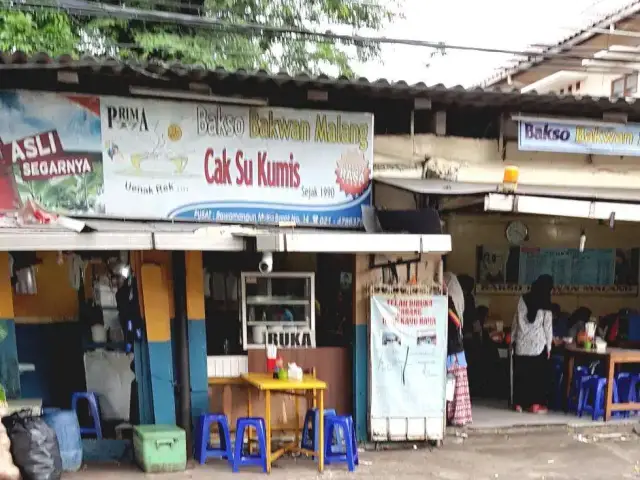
(97, 9)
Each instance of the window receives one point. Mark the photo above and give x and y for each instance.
(626, 86)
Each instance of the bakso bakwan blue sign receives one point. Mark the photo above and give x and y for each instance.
(605, 139)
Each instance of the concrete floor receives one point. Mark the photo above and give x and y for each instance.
(520, 457)
(494, 414)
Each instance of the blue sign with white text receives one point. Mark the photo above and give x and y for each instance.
(605, 139)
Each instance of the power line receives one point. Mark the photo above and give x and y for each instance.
(97, 9)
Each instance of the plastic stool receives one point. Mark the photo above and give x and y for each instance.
(576, 392)
(92, 400)
(310, 431)
(241, 460)
(203, 449)
(627, 384)
(593, 397)
(350, 455)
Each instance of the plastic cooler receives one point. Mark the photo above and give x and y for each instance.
(160, 448)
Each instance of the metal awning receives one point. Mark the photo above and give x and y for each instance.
(444, 187)
(126, 235)
(121, 235)
(562, 207)
(97, 235)
(351, 242)
(198, 236)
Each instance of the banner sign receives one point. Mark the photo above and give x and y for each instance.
(583, 139)
(50, 151)
(408, 347)
(133, 158)
(236, 164)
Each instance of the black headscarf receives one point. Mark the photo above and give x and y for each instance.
(539, 298)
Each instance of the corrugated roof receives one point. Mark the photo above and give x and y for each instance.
(575, 39)
(457, 95)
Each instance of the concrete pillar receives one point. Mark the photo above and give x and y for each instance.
(197, 331)
(157, 318)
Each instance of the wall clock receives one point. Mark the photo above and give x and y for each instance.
(517, 233)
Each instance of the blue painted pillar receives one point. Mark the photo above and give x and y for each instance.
(9, 371)
(361, 350)
(157, 318)
(197, 331)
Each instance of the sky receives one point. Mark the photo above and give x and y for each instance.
(504, 24)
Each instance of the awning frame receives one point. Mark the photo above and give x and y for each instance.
(352, 242)
(562, 207)
(57, 241)
(104, 235)
(428, 186)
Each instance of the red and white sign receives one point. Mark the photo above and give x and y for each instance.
(42, 156)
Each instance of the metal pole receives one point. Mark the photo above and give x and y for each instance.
(182, 341)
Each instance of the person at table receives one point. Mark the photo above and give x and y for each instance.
(458, 410)
(560, 325)
(532, 335)
(578, 321)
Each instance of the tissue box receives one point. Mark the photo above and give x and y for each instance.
(295, 372)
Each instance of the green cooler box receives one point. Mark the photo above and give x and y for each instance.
(160, 448)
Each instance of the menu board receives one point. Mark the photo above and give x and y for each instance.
(568, 266)
(594, 269)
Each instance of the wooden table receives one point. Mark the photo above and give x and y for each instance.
(611, 357)
(266, 383)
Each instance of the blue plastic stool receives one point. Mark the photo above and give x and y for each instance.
(627, 384)
(203, 449)
(350, 455)
(576, 392)
(92, 400)
(241, 460)
(593, 397)
(310, 431)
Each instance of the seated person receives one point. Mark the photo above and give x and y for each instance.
(560, 324)
(578, 321)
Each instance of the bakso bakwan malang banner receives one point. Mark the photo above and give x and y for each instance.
(136, 158)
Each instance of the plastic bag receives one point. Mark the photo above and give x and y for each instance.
(34, 447)
(8, 470)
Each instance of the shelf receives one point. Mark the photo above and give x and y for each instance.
(292, 293)
(278, 324)
(265, 300)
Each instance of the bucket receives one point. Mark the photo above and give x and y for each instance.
(65, 424)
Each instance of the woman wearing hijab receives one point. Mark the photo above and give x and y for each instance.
(458, 410)
(532, 334)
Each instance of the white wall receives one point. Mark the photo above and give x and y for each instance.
(598, 85)
(476, 160)
(591, 84)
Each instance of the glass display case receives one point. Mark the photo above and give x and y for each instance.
(278, 308)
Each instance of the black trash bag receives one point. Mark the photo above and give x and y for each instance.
(34, 447)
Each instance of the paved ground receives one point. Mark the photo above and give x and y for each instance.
(558, 456)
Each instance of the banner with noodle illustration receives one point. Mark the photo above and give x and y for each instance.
(236, 164)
